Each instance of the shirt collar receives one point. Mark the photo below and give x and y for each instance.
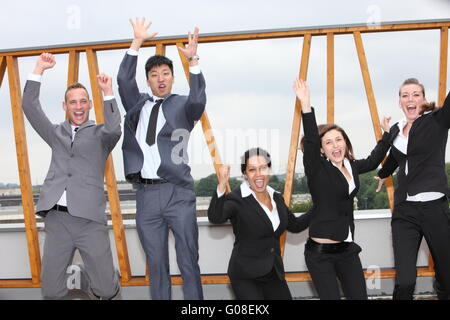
(346, 164)
(403, 122)
(246, 191)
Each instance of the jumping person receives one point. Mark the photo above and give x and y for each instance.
(72, 198)
(155, 128)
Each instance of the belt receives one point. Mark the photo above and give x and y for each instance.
(339, 247)
(427, 203)
(152, 181)
(57, 207)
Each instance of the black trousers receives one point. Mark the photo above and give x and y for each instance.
(268, 287)
(411, 221)
(343, 264)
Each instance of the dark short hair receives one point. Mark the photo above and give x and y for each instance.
(428, 106)
(324, 128)
(254, 152)
(75, 85)
(156, 61)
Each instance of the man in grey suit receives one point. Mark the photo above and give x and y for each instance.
(72, 199)
(156, 133)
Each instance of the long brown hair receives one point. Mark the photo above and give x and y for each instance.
(324, 128)
(427, 106)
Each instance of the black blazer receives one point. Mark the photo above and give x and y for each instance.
(256, 249)
(332, 212)
(426, 155)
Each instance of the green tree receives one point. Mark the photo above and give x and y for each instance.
(206, 186)
(301, 206)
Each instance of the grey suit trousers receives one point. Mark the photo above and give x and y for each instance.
(64, 234)
(158, 208)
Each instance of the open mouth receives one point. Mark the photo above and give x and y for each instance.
(337, 154)
(162, 87)
(259, 183)
(78, 115)
(411, 108)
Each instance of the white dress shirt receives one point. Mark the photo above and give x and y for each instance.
(152, 159)
(272, 215)
(401, 143)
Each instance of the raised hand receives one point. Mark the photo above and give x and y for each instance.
(380, 183)
(44, 62)
(191, 49)
(105, 83)
(140, 32)
(224, 175)
(301, 89)
(385, 124)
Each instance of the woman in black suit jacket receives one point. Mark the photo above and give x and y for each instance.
(421, 196)
(259, 217)
(332, 174)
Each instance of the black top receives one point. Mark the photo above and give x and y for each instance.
(426, 155)
(332, 212)
(256, 249)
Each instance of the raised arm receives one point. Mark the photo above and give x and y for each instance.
(442, 115)
(111, 130)
(311, 140)
(389, 167)
(196, 103)
(126, 77)
(220, 210)
(378, 153)
(30, 101)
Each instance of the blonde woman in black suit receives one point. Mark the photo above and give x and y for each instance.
(332, 174)
(421, 196)
(259, 217)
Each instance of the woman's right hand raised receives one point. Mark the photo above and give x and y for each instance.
(301, 89)
(224, 175)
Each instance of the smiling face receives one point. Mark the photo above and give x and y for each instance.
(77, 106)
(160, 80)
(411, 100)
(334, 146)
(257, 173)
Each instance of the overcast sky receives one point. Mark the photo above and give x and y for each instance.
(250, 100)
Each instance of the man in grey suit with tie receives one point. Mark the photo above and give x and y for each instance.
(72, 199)
(156, 133)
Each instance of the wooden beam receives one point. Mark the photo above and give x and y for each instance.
(23, 165)
(443, 63)
(368, 85)
(206, 125)
(160, 49)
(330, 78)
(219, 278)
(73, 70)
(2, 68)
(295, 134)
(74, 67)
(372, 106)
(239, 36)
(111, 184)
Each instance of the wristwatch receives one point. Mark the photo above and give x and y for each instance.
(193, 58)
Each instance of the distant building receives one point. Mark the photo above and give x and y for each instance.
(10, 191)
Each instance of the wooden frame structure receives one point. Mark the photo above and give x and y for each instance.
(9, 63)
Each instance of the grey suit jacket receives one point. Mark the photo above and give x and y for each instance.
(76, 167)
(181, 113)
